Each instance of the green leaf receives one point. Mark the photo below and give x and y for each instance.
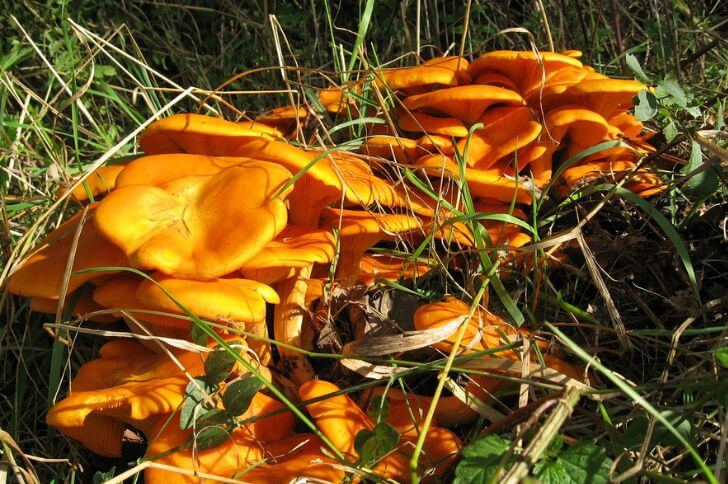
(215, 416)
(100, 476)
(379, 408)
(646, 107)
(636, 431)
(635, 66)
(238, 394)
(210, 437)
(481, 460)
(670, 131)
(704, 183)
(218, 365)
(372, 445)
(584, 462)
(669, 92)
(721, 354)
(198, 335)
(195, 394)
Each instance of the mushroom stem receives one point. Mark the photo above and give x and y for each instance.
(288, 322)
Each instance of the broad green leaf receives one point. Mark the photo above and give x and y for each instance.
(646, 107)
(635, 66)
(379, 408)
(669, 92)
(238, 394)
(481, 460)
(704, 183)
(218, 365)
(198, 335)
(210, 437)
(195, 394)
(372, 445)
(581, 463)
(670, 131)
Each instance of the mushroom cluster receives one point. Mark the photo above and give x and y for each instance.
(234, 226)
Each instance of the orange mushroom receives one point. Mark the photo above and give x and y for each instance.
(128, 385)
(197, 226)
(41, 274)
(467, 103)
(98, 183)
(196, 133)
(358, 231)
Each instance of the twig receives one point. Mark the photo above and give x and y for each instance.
(543, 438)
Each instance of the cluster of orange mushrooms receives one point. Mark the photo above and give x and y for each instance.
(237, 224)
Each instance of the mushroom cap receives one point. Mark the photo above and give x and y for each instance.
(544, 96)
(525, 68)
(334, 99)
(283, 116)
(436, 144)
(361, 186)
(627, 124)
(424, 123)
(117, 389)
(607, 97)
(42, 273)
(391, 148)
(338, 417)
(505, 130)
(642, 182)
(391, 268)
(481, 183)
(583, 125)
(158, 169)
(100, 182)
(484, 328)
(294, 247)
(81, 307)
(495, 79)
(226, 299)
(467, 103)
(355, 223)
(197, 226)
(440, 71)
(205, 135)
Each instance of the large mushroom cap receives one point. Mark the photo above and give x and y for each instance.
(467, 103)
(294, 248)
(158, 169)
(526, 69)
(607, 97)
(225, 299)
(42, 273)
(197, 226)
(205, 135)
